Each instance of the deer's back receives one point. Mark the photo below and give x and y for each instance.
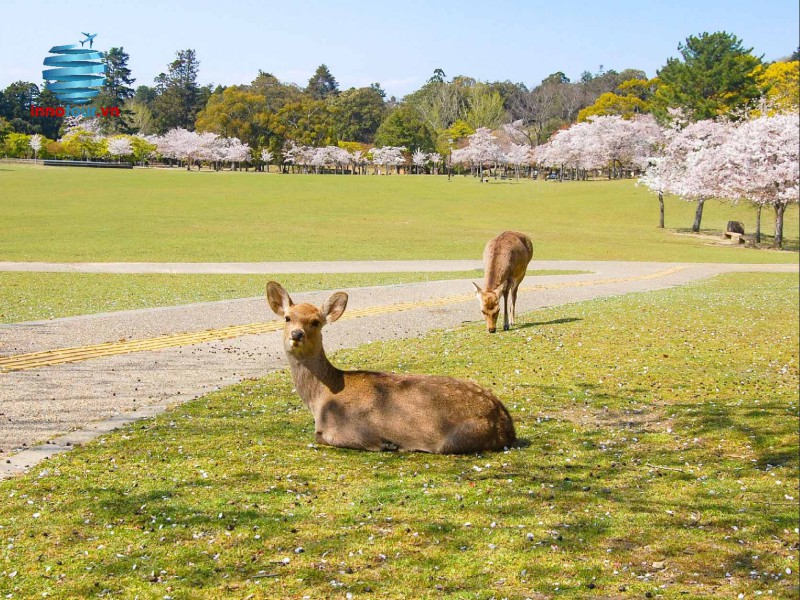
(506, 257)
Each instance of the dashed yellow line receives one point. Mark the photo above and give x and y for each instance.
(59, 356)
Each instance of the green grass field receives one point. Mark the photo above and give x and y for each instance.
(34, 296)
(63, 215)
(659, 459)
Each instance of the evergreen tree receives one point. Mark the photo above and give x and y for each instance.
(18, 99)
(49, 127)
(118, 77)
(403, 127)
(322, 84)
(116, 92)
(716, 76)
(145, 95)
(358, 113)
(276, 94)
(179, 97)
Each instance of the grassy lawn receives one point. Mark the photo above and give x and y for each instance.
(34, 296)
(58, 214)
(659, 459)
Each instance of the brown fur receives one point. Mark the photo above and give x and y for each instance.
(505, 261)
(384, 411)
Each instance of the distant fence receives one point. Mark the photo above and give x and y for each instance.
(86, 163)
(21, 161)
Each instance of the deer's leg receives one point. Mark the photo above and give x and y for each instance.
(320, 438)
(345, 437)
(514, 305)
(505, 310)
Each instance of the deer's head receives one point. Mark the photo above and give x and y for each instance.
(489, 302)
(302, 332)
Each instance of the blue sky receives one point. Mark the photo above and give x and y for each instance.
(397, 44)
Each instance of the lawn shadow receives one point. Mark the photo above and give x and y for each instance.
(561, 321)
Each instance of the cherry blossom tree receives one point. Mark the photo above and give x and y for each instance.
(518, 133)
(318, 157)
(359, 161)
(483, 148)
(600, 142)
(212, 148)
(436, 159)
(652, 180)
(267, 157)
(573, 148)
(464, 156)
(693, 162)
(388, 156)
(419, 158)
(36, 144)
(337, 157)
(622, 142)
(296, 155)
(518, 155)
(235, 152)
(179, 144)
(762, 164)
(120, 146)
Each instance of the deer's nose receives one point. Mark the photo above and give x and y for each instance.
(492, 329)
(297, 335)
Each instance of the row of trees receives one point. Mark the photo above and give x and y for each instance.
(714, 75)
(756, 159)
(621, 122)
(79, 144)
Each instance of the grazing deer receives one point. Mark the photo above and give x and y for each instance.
(505, 260)
(383, 411)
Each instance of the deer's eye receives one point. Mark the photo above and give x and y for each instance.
(315, 323)
(287, 319)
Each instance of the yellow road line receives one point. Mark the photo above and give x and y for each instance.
(59, 356)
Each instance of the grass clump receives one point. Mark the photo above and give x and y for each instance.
(659, 458)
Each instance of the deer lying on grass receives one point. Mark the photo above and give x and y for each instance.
(505, 261)
(383, 411)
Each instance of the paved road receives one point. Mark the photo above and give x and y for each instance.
(95, 395)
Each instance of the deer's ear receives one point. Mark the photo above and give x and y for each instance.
(334, 306)
(279, 300)
(477, 287)
(500, 289)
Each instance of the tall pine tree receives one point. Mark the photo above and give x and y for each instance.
(715, 77)
(322, 84)
(179, 97)
(116, 91)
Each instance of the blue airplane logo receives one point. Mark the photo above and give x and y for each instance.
(89, 38)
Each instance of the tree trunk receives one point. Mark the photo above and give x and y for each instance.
(698, 216)
(661, 208)
(780, 208)
(758, 223)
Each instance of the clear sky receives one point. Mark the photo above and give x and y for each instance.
(397, 44)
